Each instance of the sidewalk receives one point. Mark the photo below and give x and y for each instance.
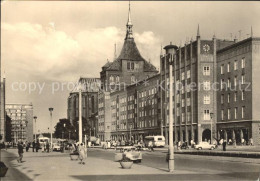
(58, 166)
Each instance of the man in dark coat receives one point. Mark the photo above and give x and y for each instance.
(20, 151)
(33, 144)
(224, 145)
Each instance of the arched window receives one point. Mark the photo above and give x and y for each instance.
(111, 79)
(117, 79)
(132, 78)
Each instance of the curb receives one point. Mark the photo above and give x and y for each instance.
(227, 154)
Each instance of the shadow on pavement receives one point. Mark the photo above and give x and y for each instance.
(12, 173)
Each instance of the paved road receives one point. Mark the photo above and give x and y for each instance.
(188, 167)
(235, 168)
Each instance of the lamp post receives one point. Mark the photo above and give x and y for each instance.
(171, 148)
(211, 131)
(94, 131)
(35, 117)
(51, 109)
(80, 113)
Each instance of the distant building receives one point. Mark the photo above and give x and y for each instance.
(238, 115)
(90, 88)
(2, 111)
(21, 121)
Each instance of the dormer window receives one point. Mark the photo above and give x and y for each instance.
(130, 65)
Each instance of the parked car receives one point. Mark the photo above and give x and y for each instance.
(204, 145)
(131, 152)
(56, 147)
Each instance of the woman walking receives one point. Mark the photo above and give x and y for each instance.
(82, 153)
(20, 151)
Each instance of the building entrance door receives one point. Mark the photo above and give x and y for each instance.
(206, 134)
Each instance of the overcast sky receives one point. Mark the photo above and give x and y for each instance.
(50, 44)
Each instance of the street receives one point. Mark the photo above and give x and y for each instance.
(101, 166)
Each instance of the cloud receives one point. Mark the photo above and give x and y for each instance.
(51, 54)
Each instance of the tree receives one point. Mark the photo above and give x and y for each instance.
(65, 129)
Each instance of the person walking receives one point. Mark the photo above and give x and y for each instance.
(48, 147)
(224, 145)
(20, 151)
(33, 145)
(37, 146)
(28, 146)
(82, 153)
(150, 146)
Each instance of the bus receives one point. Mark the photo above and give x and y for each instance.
(158, 141)
(42, 140)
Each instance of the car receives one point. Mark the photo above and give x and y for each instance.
(131, 152)
(56, 147)
(204, 145)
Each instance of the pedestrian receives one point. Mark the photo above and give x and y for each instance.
(150, 146)
(48, 147)
(224, 145)
(28, 146)
(20, 151)
(251, 142)
(37, 146)
(242, 141)
(33, 145)
(82, 153)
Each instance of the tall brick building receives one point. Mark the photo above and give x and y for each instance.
(194, 100)
(238, 115)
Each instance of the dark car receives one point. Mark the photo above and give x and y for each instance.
(184, 146)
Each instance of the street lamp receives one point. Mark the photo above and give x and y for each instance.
(171, 50)
(51, 109)
(211, 131)
(35, 117)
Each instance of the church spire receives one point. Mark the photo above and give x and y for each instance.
(198, 31)
(251, 31)
(129, 25)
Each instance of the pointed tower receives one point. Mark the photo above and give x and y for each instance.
(251, 31)
(198, 31)
(129, 25)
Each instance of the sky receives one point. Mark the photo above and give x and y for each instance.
(47, 45)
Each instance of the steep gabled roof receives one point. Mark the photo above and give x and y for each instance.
(130, 51)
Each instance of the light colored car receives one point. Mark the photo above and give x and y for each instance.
(130, 152)
(204, 145)
(56, 147)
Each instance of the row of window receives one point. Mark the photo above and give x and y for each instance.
(243, 64)
(235, 97)
(235, 113)
(151, 112)
(149, 92)
(235, 81)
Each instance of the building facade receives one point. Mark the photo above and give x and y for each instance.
(21, 121)
(127, 69)
(238, 116)
(90, 88)
(2, 111)
(194, 97)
